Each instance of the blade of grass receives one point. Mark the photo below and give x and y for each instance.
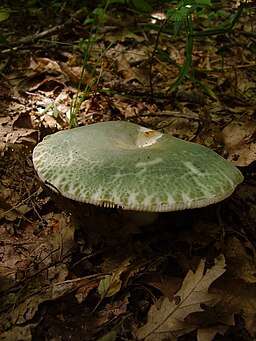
(188, 60)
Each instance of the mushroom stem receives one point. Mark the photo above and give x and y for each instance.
(140, 218)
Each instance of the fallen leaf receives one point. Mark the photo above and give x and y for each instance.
(26, 310)
(168, 322)
(238, 297)
(111, 284)
(240, 142)
(240, 257)
(4, 14)
(61, 239)
(18, 333)
(110, 336)
(127, 72)
(208, 334)
(84, 290)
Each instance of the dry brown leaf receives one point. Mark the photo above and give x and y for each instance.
(44, 65)
(128, 73)
(74, 73)
(61, 240)
(22, 136)
(240, 258)
(5, 130)
(208, 334)
(240, 143)
(238, 297)
(168, 322)
(84, 290)
(27, 309)
(41, 258)
(110, 336)
(111, 284)
(18, 333)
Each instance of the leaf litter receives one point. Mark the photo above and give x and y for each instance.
(83, 273)
(168, 322)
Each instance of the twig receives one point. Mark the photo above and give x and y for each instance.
(41, 35)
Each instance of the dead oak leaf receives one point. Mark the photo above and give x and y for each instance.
(168, 322)
(240, 142)
(241, 259)
(239, 297)
(128, 72)
(208, 334)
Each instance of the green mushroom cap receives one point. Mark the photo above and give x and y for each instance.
(121, 164)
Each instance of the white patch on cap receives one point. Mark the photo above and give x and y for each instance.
(132, 201)
(148, 163)
(191, 167)
(170, 200)
(147, 137)
(186, 198)
(97, 195)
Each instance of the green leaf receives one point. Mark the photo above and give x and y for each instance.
(142, 5)
(222, 12)
(116, 2)
(4, 14)
(98, 11)
(111, 284)
(203, 3)
(110, 336)
(4, 41)
(89, 21)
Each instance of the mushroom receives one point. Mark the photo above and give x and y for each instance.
(124, 165)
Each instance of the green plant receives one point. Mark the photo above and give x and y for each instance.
(181, 16)
(142, 5)
(4, 14)
(95, 22)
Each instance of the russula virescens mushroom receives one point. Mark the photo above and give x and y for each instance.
(121, 164)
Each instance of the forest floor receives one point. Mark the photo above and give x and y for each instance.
(98, 277)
